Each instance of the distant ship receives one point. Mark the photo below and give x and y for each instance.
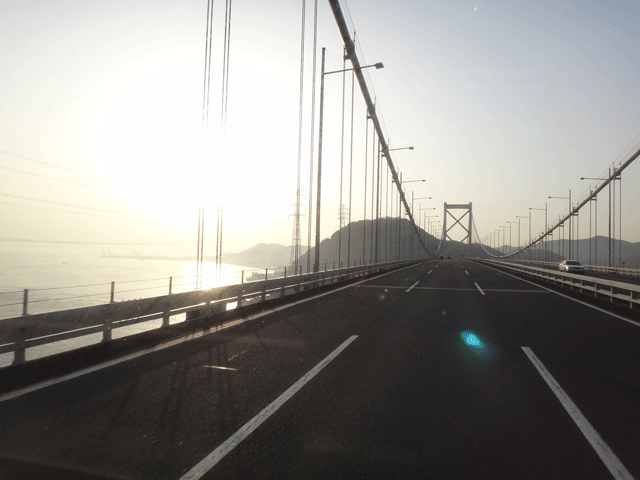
(108, 253)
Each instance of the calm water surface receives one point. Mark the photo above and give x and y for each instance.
(61, 276)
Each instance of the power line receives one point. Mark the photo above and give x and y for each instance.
(58, 210)
(225, 67)
(295, 236)
(57, 179)
(205, 127)
(53, 165)
(70, 242)
(313, 126)
(69, 205)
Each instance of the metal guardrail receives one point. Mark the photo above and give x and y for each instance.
(19, 333)
(630, 272)
(624, 293)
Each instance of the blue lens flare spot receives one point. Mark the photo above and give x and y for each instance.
(475, 344)
(471, 339)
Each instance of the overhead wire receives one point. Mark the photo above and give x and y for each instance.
(295, 241)
(74, 242)
(373, 185)
(313, 131)
(205, 127)
(366, 161)
(31, 199)
(387, 245)
(344, 65)
(54, 165)
(71, 182)
(225, 66)
(353, 75)
(224, 102)
(61, 210)
(207, 66)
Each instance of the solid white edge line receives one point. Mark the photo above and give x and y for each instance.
(219, 453)
(636, 324)
(411, 287)
(54, 381)
(478, 287)
(613, 464)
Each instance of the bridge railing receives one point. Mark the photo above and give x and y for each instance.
(27, 331)
(630, 272)
(626, 294)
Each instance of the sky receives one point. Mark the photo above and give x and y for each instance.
(505, 104)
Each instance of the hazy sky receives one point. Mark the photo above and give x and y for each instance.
(505, 103)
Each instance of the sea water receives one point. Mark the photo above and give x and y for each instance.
(64, 276)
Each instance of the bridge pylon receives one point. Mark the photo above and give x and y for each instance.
(458, 221)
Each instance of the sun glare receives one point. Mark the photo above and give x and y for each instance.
(150, 142)
(152, 145)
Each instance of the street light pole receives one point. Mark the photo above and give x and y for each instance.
(528, 218)
(503, 227)
(426, 219)
(570, 220)
(412, 213)
(410, 181)
(316, 264)
(510, 246)
(609, 188)
(377, 205)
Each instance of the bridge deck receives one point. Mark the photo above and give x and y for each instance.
(427, 377)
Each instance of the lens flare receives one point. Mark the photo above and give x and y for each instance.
(474, 344)
(471, 339)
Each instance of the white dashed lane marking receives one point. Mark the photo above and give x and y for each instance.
(607, 456)
(411, 287)
(219, 453)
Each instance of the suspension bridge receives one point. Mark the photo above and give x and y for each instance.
(395, 348)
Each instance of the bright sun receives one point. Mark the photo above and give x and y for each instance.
(151, 143)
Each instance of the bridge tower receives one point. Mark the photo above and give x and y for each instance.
(458, 221)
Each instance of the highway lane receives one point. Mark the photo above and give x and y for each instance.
(457, 411)
(435, 384)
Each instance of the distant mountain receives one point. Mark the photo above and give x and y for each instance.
(630, 251)
(392, 243)
(264, 255)
(587, 253)
(339, 249)
(536, 254)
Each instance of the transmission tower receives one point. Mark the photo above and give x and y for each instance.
(295, 236)
(343, 215)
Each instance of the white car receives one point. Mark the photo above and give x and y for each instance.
(571, 266)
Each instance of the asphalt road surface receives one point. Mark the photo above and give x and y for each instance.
(448, 369)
